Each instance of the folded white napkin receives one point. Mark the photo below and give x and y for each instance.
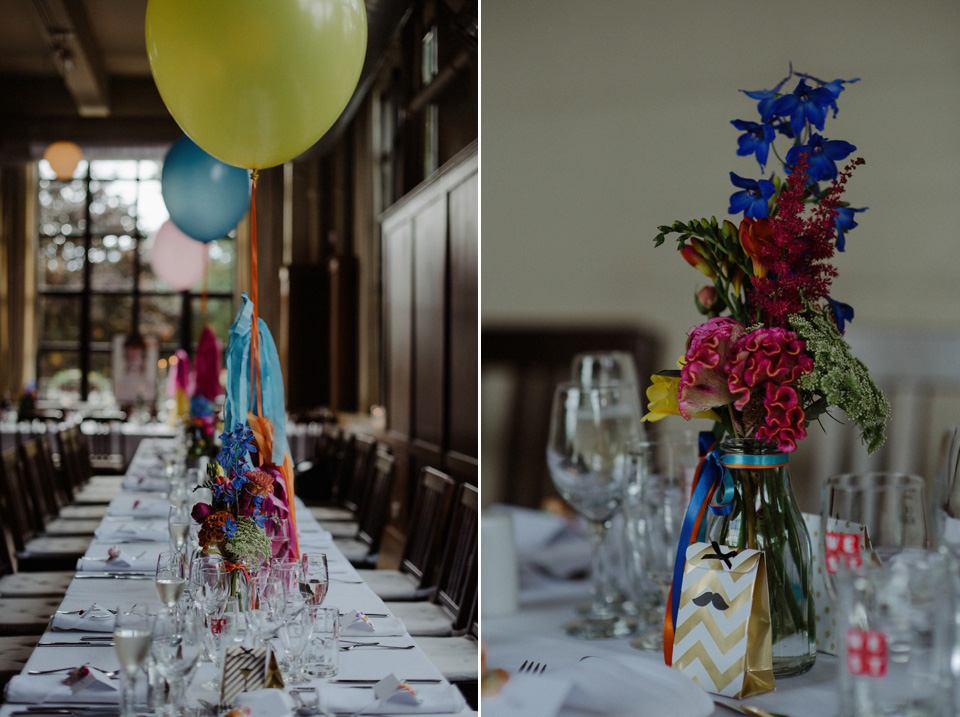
(435, 699)
(611, 685)
(125, 530)
(140, 505)
(131, 559)
(50, 688)
(264, 703)
(146, 482)
(92, 619)
(548, 542)
(352, 626)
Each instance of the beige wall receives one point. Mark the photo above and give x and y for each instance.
(601, 120)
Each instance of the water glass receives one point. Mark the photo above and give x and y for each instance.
(655, 497)
(171, 579)
(869, 517)
(315, 577)
(896, 623)
(132, 635)
(321, 657)
(176, 649)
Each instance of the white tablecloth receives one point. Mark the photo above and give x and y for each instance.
(110, 592)
(536, 633)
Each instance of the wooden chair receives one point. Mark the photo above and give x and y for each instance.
(417, 576)
(363, 550)
(34, 551)
(450, 609)
(456, 658)
(357, 497)
(14, 653)
(38, 473)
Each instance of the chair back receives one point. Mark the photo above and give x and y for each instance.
(374, 520)
(343, 466)
(71, 442)
(458, 583)
(427, 525)
(364, 463)
(37, 478)
(18, 508)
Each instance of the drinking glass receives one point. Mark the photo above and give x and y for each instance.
(132, 635)
(179, 493)
(589, 431)
(321, 657)
(315, 577)
(289, 572)
(293, 634)
(178, 525)
(656, 493)
(176, 649)
(171, 579)
(896, 623)
(869, 517)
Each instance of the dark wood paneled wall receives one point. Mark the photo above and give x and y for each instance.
(430, 264)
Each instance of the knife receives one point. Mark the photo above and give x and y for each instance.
(75, 644)
(122, 576)
(373, 682)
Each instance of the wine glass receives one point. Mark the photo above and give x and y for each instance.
(866, 518)
(289, 572)
(132, 635)
(178, 525)
(656, 494)
(176, 649)
(315, 577)
(171, 578)
(590, 428)
(599, 368)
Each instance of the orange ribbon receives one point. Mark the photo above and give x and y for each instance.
(254, 286)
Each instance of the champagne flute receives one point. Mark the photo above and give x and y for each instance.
(590, 428)
(178, 525)
(132, 635)
(315, 577)
(170, 579)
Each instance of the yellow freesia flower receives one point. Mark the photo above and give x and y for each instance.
(662, 399)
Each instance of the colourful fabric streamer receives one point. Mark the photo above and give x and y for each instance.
(207, 365)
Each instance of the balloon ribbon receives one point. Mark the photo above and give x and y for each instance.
(255, 386)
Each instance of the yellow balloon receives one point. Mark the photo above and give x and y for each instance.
(256, 82)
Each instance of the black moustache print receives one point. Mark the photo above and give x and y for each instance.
(711, 597)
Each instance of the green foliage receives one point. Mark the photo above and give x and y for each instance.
(839, 378)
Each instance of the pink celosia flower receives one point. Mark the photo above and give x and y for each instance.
(703, 379)
(765, 355)
(784, 417)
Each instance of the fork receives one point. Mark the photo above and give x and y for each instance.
(530, 667)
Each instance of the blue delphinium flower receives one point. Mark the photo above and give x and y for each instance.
(836, 87)
(842, 313)
(804, 104)
(258, 519)
(755, 140)
(229, 528)
(822, 156)
(752, 200)
(224, 492)
(765, 105)
(844, 222)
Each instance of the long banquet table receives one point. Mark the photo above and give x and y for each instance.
(346, 591)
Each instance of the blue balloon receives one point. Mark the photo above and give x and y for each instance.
(205, 197)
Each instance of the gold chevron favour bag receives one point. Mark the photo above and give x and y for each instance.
(244, 670)
(722, 637)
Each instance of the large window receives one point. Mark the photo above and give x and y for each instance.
(95, 280)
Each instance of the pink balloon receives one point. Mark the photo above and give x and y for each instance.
(176, 258)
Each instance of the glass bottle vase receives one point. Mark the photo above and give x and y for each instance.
(766, 517)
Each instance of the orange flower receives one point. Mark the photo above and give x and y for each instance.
(259, 482)
(754, 235)
(695, 254)
(212, 530)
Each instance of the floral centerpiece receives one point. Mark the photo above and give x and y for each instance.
(201, 428)
(247, 506)
(770, 357)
